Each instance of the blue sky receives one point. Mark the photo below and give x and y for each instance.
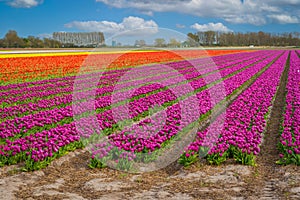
(43, 17)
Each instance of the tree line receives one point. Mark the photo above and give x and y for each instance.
(207, 38)
(160, 42)
(213, 38)
(12, 40)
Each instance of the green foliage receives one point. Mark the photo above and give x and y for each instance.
(187, 161)
(203, 151)
(216, 159)
(31, 165)
(12, 160)
(124, 164)
(95, 163)
(244, 158)
(288, 158)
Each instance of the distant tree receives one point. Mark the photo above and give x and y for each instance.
(35, 42)
(195, 36)
(2, 43)
(160, 42)
(12, 39)
(47, 43)
(201, 37)
(250, 38)
(210, 37)
(27, 42)
(193, 39)
(174, 43)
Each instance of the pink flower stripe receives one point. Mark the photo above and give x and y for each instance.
(290, 134)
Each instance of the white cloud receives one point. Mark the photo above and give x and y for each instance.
(45, 35)
(283, 2)
(24, 3)
(129, 26)
(180, 26)
(210, 27)
(254, 12)
(284, 19)
(246, 19)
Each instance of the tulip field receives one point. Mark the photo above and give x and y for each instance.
(290, 129)
(134, 107)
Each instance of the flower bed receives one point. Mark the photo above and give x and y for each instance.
(289, 145)
(245, 122)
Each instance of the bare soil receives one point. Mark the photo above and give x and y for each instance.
(70, 178)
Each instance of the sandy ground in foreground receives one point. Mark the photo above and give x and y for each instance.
(70, 178)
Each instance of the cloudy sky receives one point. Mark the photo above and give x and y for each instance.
(142, 17)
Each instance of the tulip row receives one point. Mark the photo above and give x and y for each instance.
(239, 130)
(289, 145)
